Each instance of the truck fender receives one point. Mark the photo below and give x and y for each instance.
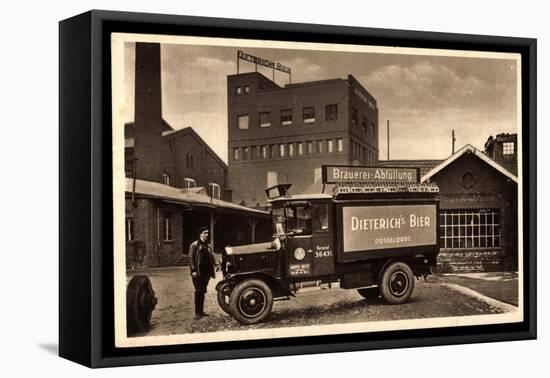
(279, 290)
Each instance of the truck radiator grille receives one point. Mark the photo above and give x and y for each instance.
(256, 262)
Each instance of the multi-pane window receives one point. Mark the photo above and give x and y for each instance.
(291, 149)
(469, 228)
(300, 147)
(168, 226)
(246, 153)
(165, 179)
(253, 152)
(129, 229)
(354, 115)
(242, 121)
(309, 114)
(372, 129)
(339, 144)
(236, 153)
(214, 190)
(309, 146)
(189, 183)
(273, 151)
(286, 117)
(263, 151)
(330, 146)
(508, 148)
(282, 150)
(331, 112)
(265, 119)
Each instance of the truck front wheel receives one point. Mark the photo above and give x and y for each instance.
(251, 301)
(397, 283)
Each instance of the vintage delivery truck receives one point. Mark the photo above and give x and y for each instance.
(375, 233)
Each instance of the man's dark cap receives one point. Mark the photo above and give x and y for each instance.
(202, 229)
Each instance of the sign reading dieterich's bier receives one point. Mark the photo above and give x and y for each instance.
(333, 174)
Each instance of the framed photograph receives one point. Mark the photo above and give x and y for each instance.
(235, 188)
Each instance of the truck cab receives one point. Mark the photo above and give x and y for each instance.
(372, 238)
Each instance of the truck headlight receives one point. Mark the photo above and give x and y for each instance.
(299, 253)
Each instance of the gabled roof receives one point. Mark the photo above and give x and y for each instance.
(184, 196)
(171, 134)
(469, 149)
(168, 135)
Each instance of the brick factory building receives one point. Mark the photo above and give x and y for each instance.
(175, 183)
(478, 208)
(284, 134)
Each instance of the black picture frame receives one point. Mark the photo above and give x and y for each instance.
(86, 322)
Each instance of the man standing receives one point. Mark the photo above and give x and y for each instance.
(202, 264)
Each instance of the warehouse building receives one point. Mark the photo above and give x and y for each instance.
(175, 183)
(284, 134)
(478, 207)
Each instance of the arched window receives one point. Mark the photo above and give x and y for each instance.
(189, 183)
(214, 190)
(165, 179)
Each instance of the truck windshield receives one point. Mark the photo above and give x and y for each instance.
(292, 218)
(298, 219)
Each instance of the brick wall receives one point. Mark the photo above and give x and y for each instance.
(489, 189)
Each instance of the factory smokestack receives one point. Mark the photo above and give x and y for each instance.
(148, 112)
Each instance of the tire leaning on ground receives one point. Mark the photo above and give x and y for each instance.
(397, 283)
(251, 301)
(140, 303)
(369, 293)
(223, 295)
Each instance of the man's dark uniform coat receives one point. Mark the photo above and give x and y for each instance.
(202, 262)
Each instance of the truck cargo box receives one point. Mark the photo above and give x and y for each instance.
(374, 229)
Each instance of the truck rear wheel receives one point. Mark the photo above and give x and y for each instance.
(369, 293)
(251, 301)
(223, 296)
(397, 283)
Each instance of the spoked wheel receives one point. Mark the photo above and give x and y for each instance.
(224, 293)
(397, 283)
(369, 293)
(140, 303)
(251, 301)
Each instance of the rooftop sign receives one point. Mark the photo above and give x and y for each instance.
(263, 62)
(334, 174)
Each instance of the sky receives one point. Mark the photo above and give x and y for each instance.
(424, 97)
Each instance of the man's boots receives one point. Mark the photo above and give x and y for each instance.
(201, 308)
(198, 310)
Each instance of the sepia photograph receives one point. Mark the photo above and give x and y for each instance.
(269, 189)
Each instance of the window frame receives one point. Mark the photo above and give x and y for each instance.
(187, 180)
(264, 124)
(167, 226)
(239, 116)
(308, 119)
(459, 230)
(211, 187)
(285, 120)
(166, 179)
(331, 112)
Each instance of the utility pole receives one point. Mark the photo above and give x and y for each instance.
(388, 129)
(454, 140)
